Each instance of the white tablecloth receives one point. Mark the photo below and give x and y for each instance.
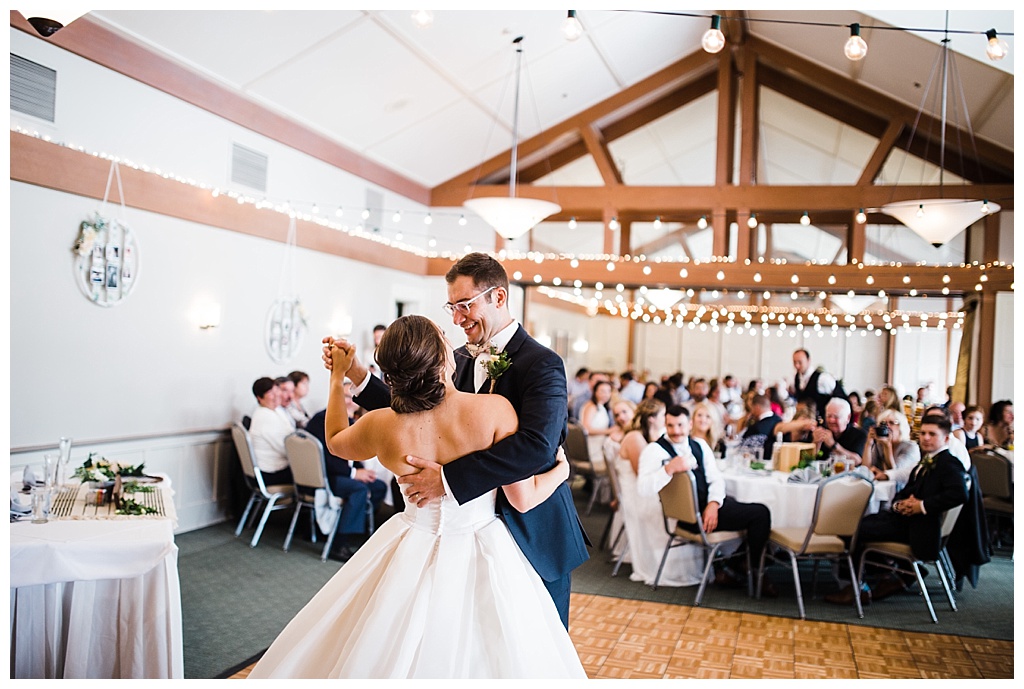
(95, 599)
(791, 504)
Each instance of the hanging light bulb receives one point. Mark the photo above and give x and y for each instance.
(870, 279)
(997, 48)
(339, 212)
(397, 217)
(613, 224)
(316, 209)
(462, 221)
(657, 223)
(713, 40)
(831, 279)
(984, 207)
(366, 213)
(423, 18)
(572, 223)
(861, 217)
(703, 222)
(432, 242)
(855, 48)
(805, 219)
(752, 221)
(571, 27)
(428, 220)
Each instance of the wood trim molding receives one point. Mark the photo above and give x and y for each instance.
(91, 40)
(34, 161)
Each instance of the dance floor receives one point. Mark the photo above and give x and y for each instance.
(628, 639)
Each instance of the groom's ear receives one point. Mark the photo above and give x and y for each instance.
(500, 297)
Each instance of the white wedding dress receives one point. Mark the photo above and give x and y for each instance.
(441, 591)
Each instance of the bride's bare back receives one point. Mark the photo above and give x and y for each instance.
(461, 424)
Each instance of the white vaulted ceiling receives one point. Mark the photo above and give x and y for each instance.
(433, 103)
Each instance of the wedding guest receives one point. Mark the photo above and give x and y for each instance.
(889, 398)
(596, 419)
(799, 429)
(285, 394)
(623, 412)
(761, 433)
(730, 390)
(630, 388)
(869, 415)
(889, 447)
(838, 438)
(970, 432)
(956, 414)
(856, 407)
(267, 432)
(642, 514)
(999, 430)
(956, 446)
(300, 380)
(650, 390)
(579, 388)
(708, 427)
(776, 399)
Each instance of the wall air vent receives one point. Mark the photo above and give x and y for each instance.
(249, 167)
(33, 88)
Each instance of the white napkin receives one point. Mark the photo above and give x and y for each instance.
(805, 475)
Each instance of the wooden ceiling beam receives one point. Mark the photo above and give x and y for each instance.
(598, 148)
(823, 101)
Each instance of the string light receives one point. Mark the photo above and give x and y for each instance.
(752, 221)
(703, 222)
(572, 223)
(805, 219)
(997, 48)
(861, 217)
(855, 48)
(571, 27)
(713, 40)
(657, 223)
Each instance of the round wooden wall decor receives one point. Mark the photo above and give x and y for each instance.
(106, 260)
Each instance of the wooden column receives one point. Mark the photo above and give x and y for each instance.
(890, 351)
(720, 225)
(990, 249)
(743, 235)
(609, 234)
(625, 232)
(986, 343)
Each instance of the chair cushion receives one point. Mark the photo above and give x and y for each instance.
(793, 539)
(896, 549)
(284, 489)
(997, 505)
(714, 537)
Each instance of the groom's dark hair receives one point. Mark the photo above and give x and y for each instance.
(485, 271)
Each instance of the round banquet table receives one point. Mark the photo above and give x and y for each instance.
(790, 504)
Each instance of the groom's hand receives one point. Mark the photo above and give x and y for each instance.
(425, 485)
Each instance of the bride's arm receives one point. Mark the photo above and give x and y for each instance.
(353, 443)
(532, 491)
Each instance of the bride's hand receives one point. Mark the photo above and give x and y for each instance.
(342, 354)
(328, 343)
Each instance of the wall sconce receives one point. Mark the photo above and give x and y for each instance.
(207, 315)
(580, 346)
(340, 325)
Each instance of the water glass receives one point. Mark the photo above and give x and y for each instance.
(40, 504)
(50, 469)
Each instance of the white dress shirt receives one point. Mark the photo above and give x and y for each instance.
(267, 431)
(652, 477)
(826, 383)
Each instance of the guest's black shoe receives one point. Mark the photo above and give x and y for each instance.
(888, 586)
(343, 554)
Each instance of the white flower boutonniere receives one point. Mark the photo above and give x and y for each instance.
(495, 363)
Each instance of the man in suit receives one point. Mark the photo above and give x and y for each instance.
(353, 483)
(550, 535)
(938, 483)
(761, 433)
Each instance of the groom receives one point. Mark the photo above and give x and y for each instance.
(550, 535)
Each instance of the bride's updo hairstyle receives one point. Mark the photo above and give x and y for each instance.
(412, 356)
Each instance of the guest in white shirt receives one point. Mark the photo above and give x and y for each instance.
(630, 388)
(657, 467)
(267, 432)
(299, 414)
(285, 395)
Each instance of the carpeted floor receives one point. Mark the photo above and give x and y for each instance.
(235, 600)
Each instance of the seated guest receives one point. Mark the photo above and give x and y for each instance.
(856, 408)
(799, 429)
(956, 446)
(285, 395)
(350, 481)
(970, 434)
(707, 426)
(889, 451)
(699, 389)
(761, 433)
(889, 398)
(956, 414)
(650, 390)
(267, 432)
(999, 430)
(938, 483)
(839, 439)
(596, 419)
(676, 452)
(630, 388)
(869, 415)
(301, 382)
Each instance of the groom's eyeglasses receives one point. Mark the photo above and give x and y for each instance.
(464, 305)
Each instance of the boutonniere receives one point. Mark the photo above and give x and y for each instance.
(495, 363)
(927, 463)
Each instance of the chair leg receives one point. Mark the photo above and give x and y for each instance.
(664, 557)
(263, 522)
(245, 515)
(312, 523)
(622, 555)
(710, 555)
(760, 573)
(330, 536)
(594, 492)
(924, 590)
(946, 584)
(291, 527)
(855, 582)
(750, 574)
(796, 581)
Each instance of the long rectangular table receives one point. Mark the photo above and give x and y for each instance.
(96, 596)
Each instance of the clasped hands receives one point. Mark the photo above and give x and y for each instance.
(908, 506)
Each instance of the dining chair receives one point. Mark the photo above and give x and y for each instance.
(995, 479)
(621, 534)
(274, 497)
(578, 454)
(679, 502)
(838, 508)
(309, 474)
(901, 551)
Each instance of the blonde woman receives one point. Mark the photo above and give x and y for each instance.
(707, 425)
(889, 447)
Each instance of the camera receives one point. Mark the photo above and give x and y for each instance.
(881, 431)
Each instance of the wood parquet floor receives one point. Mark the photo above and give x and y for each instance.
(628, 639)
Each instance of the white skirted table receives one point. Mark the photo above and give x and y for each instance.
(791, 504)
(96, 596)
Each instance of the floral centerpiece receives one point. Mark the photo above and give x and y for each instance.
(97, 469)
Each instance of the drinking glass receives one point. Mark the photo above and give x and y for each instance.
(40, 504)
(50, 469)
(64, 461)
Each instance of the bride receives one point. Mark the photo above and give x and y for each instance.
(439, 591)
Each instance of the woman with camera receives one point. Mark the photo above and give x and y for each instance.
(889, 451)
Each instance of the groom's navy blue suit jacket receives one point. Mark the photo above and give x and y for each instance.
(550, 535)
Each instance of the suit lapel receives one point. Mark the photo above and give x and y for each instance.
(464, 370)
